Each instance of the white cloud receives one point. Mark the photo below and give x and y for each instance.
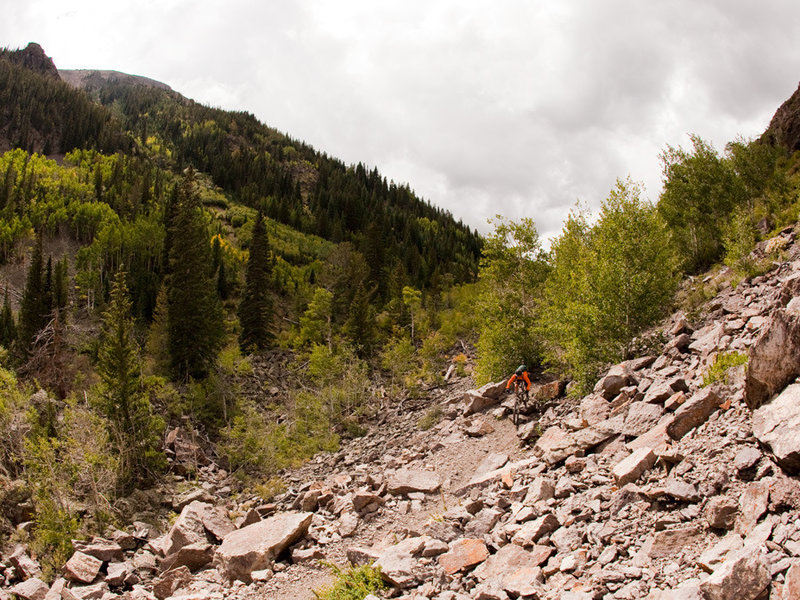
(517, 108)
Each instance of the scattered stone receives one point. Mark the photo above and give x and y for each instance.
(82, 567)
(407, 481)
(463, 554)
(742, 578)
(694, 412)
(632, 467)
(31, 589)
(720, 512)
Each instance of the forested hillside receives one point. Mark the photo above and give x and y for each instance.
(164, 263)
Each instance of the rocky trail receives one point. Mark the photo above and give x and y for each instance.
(654, 486)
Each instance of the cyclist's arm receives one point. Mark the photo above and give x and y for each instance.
(510, 381)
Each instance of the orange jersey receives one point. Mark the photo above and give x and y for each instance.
(524, 378)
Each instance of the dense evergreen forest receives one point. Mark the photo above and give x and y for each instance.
(168, 263)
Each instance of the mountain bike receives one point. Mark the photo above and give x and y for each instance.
(520, 398)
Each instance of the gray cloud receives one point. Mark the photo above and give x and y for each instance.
(517, 108)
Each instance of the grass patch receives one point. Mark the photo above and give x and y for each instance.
(352, 583)
(722, 363)
(431, 417)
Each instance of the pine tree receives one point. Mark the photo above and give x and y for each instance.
(194, 315)
(8, 328)
(255, 309)
(33, 314)
(122, 400)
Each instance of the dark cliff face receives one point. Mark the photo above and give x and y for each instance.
(784, 129)
(34, 58)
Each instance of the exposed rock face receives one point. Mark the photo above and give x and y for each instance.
(34, 58)
(773, 360)
(777, 425)
(784, 128)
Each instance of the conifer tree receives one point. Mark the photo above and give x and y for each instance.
(194, 315)
(255, 308)
(33, 314)
(8, 328)
(122, 400)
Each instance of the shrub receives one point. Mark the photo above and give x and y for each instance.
(722, 364)
(352, 583)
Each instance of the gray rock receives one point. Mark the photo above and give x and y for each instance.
(743, 577)
(641, 418)
(632, 467)
(772, 363)
(31, 589)
(255, 547)
(406, 481)
(777, 425)
(694, 412)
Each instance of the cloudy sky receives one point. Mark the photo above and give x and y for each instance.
(508, 107)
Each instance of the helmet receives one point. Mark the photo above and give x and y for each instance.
(521, 369)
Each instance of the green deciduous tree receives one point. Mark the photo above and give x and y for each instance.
(608, 282)
(700, 190)
(512, 272)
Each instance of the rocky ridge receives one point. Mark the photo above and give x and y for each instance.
(654, 486)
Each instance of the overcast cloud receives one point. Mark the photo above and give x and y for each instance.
(482, 107)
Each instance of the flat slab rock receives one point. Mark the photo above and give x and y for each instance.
(406, 481)
(254, 547)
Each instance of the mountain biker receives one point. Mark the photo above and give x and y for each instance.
(521, 374)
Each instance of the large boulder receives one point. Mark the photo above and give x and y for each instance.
(777, 426)
(484, 397)
(188, 528)
(255, 547)
(694, 412)
(773, 360)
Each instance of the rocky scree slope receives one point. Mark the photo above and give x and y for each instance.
(654, 486)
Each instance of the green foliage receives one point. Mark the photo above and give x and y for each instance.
(608, 282)
(512, 273)
(723, 362)
(353, 583)
(255, 309)
(431, 417)
(700, 190)
(398, 358)
(136, 431)
(194, 315)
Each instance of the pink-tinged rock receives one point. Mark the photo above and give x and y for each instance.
(632, 467)
(549, 391)
(216, 522)
(194, 557)
(60, 591)
(777, 425)
(617, 378)
(482, 398)
(657, 438)
(712, 558)
(105, 550)
(791, 586)
(594, 408)
(117, 573)
(672, 542)
(31, 589)
(641, 418)
(463, 554)
(695, 411)
(26, 567)
(531, 531)
(82, 567)
(366, 501)
(254, 547)
(683, 592)
(399, 563)
(188, 528)
(743, 577)
(720, 512)
(96, 591)
(772, 363)
(506, 560)
(170, 582)
(524, 582)
(406, 481)
(753, 503)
